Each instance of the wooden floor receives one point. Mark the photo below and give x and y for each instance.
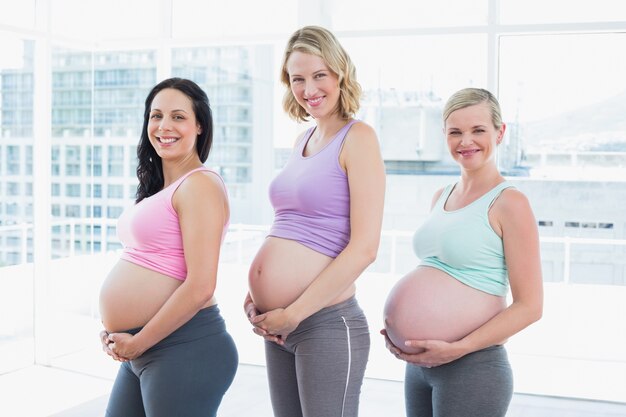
(52, 392)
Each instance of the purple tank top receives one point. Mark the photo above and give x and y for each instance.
(311, 197)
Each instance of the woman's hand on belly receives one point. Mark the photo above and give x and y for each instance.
(431, 352)
(251, 313)
(435, 352)
(104, 339)
(124, 345)
(395, 351)
(278, 322)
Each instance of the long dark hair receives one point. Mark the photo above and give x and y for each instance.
(149, 167)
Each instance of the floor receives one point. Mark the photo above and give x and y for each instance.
(39, 391)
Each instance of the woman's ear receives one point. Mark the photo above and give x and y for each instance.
(501, 134)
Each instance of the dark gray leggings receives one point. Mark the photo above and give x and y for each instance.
(319, 371)
(479, 384)
(186, 374)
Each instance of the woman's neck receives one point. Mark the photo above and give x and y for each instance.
(327, 128)
(172, 170)
(480, 180)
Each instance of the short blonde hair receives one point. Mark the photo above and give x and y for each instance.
(470, 97)
(319, 41)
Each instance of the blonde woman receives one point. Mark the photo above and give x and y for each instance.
(328, 203)
(448, 319)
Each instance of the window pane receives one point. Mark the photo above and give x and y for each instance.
(237, 80)
(561, 11)
(16, 217)
(97, 112)
(402, 14)
(217, 18)
(115, 19)
(16, 106)
(567, 95)
(404, 101)
(564, 95)
(20, 13)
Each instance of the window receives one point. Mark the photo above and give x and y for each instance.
(13, 189)
(399, 14)
(137, 21)
(578, 133)
(115, 191)
(556, 69)
(114, 212)
(72, 161)
(218, 18)
(94, 161)
(97, 190)
(12, 209)
(116, 161)
(29, 160)
(13, 160)
(72, 190)
(22, 15)
(72, 210)
(55, 156)
(561, 11)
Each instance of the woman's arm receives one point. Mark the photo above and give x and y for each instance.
(202, 208)
(366, 178)
(514, 217)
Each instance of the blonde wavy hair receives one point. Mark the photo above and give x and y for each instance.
(319, 41)
(471, 96)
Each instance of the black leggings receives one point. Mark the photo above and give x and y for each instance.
(185, 374)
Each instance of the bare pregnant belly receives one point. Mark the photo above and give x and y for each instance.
(282, 270)
(427, 303)
(131, 295)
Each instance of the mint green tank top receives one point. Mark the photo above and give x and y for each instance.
(463, 244)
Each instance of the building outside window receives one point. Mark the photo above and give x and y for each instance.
(552, 65)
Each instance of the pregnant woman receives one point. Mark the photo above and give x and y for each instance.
(448, 319)
(328, 203)
(157, 304)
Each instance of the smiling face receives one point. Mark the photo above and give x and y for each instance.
(172, 126)
(472, 137)
(314, 86)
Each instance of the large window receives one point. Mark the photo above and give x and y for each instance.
(16, 217)
(403, 14)
(219, 19)
(567, 94)
(561, 11)
(557, 69)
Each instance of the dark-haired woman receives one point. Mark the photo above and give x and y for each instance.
(157, 304)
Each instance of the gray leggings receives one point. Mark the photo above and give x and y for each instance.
(185, 374)
(319, 370)
(479, 384)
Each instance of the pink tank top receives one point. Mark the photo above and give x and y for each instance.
(150, 232)
(311, 198)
